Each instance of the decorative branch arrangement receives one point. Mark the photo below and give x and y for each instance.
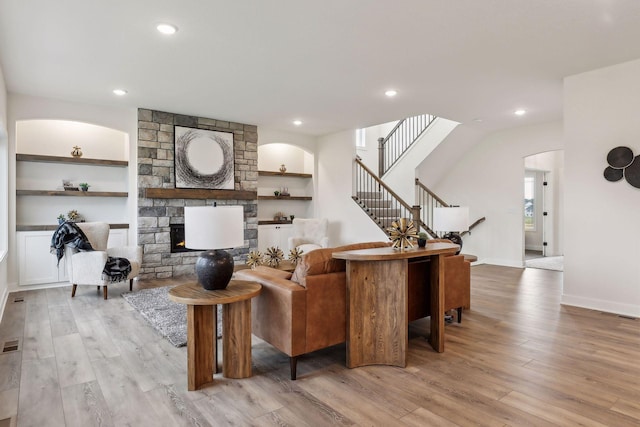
(402, 232)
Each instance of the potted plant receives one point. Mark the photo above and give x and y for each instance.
(276, 193)
(422, 239)
(60, 218)
(84, 186)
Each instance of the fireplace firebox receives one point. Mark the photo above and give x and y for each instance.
(177, 239)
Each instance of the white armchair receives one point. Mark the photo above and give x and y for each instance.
(85, 268)
(309, 234)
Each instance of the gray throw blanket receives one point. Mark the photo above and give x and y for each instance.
(68, 233)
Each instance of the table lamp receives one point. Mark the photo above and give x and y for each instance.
(452, 221)
(213, 229)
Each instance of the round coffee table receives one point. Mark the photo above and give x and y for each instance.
(201, 329)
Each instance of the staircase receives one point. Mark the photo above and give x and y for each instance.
(376, 197)
(379, 201)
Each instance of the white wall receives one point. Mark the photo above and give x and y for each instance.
(4, 200)
(347, 222)
(489, 179)
(602, 229)
(24, 107)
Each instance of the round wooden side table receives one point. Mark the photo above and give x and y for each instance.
(202, 326)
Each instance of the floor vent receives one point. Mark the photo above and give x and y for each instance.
(18, 299)
(10, 346)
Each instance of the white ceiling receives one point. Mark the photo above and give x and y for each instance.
(324, 62)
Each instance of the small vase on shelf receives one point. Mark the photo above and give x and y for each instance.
(77, 152)
(283, 169)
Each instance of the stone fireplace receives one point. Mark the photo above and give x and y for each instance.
(161, 204)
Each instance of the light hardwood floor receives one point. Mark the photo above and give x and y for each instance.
(518, 358)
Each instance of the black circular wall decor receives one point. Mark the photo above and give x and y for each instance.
(632, 172)
(622, 164)
(613, 175)
(620, 157)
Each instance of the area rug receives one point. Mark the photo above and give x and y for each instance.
(555, 263)
(165, 316)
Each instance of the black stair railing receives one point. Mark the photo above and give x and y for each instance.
(379, 201)
(401, 137)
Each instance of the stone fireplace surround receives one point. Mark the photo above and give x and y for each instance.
(160, 204)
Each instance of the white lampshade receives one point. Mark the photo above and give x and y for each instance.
(209, 227)
(451, 219)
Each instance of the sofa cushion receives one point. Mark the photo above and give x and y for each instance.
(321, 261)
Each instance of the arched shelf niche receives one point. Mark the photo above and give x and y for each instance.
(297, 180)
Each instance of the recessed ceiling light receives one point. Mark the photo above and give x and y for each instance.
(120, 92)
(167, 29)
(297, 122)
(391, 93)
(520, 112)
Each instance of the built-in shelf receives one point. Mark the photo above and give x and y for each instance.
(286, 174)
(284, 198)
(52, 227)
(198, 193)
(72, 193)
(73, 160)
(272, 222)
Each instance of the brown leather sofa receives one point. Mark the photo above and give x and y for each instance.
(306, 311)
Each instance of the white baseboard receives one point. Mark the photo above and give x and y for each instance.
(3, 301)
(601, 305)
(503, 262)
(534, 248)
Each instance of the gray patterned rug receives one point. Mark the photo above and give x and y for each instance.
(167, 317)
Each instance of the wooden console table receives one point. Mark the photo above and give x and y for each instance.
(377, 288)
(202, 325)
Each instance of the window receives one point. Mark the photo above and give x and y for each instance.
(529, 203)
(360, 138)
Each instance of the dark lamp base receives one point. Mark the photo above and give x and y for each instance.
(214, 269)
(455, 238)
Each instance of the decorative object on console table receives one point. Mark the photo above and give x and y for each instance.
(294, 255)
(422, 239)
(203, 159)
(452, 220)
(273, 256)
(77, 152)
(254, 259)
(276, 193)
(84, 186)
(283, 169)
(214, 229)
(401, 233)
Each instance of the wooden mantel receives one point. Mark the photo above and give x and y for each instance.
(199, 193)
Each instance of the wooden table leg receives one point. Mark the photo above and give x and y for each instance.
(377, 330)
(437, 303)
(201, 349)
(236, 339)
